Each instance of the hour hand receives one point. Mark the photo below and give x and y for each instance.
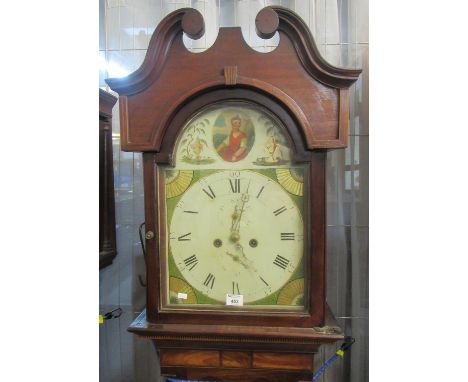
(241, 259)
(235, 225)
(237, 259)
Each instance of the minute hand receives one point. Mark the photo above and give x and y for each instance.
(245, 259)
(238, 215)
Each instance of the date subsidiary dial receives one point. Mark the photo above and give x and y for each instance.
(236, 232)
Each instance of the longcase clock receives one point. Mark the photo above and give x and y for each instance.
(234, 146)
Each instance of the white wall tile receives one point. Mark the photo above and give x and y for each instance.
(141, 23)
(126, 27)
(201, 42)
(124, 250)
(138, 187)
(123, 200)
(188, 42)
(109, 285)
(112, 343)
(272, 43)
(103, 354)
(347, 15)
(171, 5)
(210, 11)
(349, 55)
(254, 40)
(155, 14)
(227, 13)
(318, 21)
(287, 4)
(302, 8)
(127, 358)
(102, 69)
(322, 48)
(362, 20)
(139, 58)
(121, 63)
(113, 28)
(116, 127)
(360, 115)
(211, 16)
(102, 24)
(242, 18)
(332, 30)
(333, 55)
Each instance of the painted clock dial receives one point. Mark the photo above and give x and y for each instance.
(234, 212)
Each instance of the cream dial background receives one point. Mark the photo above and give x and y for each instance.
(269, 216)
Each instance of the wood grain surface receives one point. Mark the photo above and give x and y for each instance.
(311, 98)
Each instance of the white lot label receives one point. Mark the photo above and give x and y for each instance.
(182, 296)
(234, 299)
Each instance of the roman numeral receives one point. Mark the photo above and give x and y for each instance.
(191, 212)
(235, 287)
(184, 237)
(264, 281)
(287, 236)
(210, 192)
(259, 192)
(209, 279)
(279, 211)
(281, 262)
(235, 185)
(191, 261)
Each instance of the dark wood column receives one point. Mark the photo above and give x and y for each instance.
(107, 240)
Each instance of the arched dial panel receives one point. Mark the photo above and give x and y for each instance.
(234, 213)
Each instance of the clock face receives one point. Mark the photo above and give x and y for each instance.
(234, 220)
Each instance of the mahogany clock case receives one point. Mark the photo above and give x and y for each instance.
(294, 83)
(314, 240)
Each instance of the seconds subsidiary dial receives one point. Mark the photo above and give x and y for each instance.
(236, 232)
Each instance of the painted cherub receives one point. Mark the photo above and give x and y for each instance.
(197, 148)
(273, 149)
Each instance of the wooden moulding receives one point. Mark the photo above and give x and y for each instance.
(106, 103)
(237, 353)
(238, 337)
(294, 74)
(235, 375)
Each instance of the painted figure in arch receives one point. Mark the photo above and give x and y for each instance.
(234, 147)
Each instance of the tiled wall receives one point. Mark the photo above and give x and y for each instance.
(340, 28)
